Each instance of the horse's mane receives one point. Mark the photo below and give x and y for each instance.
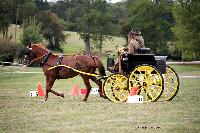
(39, 45)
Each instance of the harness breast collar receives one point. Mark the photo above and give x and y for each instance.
(46, 58)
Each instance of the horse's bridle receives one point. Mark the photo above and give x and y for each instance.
(45, 56)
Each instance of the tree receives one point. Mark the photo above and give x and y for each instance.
(92, 19)
(42, 5)
(31, 32)
(125, 28)
(13, 12)
(70, 11)
(95, 22)
(102, 22)
(187, 28)
(85, 23)
(5, 17)
(154, 20)
(52, 28)
(120, 19)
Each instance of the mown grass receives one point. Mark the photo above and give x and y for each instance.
(74, 44)
(187, 69)
(21, 113)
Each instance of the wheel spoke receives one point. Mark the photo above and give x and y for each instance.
(171, 83)
(115, 86)
(149, 81)
(157, 93)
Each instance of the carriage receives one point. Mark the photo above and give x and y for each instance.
(144, 71)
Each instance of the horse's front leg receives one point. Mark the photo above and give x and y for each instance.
(99, 83)
(49, 85)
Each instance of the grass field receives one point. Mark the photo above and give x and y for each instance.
(20, 113)
(74, 44)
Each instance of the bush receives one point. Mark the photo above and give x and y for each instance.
(7, 50)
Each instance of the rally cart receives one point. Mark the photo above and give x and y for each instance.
(144, 71)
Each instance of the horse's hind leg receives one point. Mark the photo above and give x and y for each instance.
(99, 83)
(49, 84)
(88, 86)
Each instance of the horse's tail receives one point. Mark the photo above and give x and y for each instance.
(99, 65)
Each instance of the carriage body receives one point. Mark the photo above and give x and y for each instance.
(146, 72)
(130, 61)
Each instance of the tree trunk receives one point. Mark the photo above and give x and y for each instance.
(87, 44)
(100, 43)
(5, 32)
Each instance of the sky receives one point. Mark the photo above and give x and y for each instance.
(112, 1)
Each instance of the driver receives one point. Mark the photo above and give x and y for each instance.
(136, 41)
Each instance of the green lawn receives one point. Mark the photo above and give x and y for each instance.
(74, 44)
(21, 114)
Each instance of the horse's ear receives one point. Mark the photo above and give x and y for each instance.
(29, 46)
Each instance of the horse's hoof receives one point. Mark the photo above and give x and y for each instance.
(62, 95)
(43, 100)
(84, 100)
(104, 96)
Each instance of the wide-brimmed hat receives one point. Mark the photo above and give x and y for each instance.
(131, 33)
(136, 31)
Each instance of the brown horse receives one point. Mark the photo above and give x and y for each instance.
(37, 53)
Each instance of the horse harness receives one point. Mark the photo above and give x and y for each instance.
(45, 59)
(58, 64)
(59, 60)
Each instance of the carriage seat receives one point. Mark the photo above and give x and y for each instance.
(144, 50)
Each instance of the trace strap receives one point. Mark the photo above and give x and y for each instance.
(89, 74)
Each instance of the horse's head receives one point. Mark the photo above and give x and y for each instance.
(33, 52)
(29, 54)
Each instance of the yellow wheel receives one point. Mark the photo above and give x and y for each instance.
(115, 87)
(171, 83)
(149, 82)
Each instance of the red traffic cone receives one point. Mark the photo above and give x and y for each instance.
(134, 91)
(75, 91)
(40, 91)
(83, 91)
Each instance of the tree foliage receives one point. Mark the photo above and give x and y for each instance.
(92, 19)
(187, 28)
(13, 12)
(154, 20)
(102, 25)
(98, 19)
(52, 28)
(31, 32)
